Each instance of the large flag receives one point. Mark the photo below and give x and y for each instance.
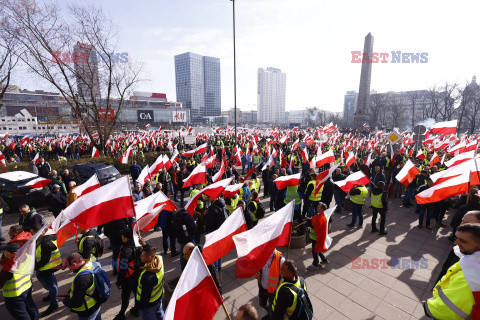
(351, 159)
(146, 210)
(196, 295)
(287, 181)
(64, 230)
(322, 177)
(126, 154)
(213, 191)
(148, 220)
(447, 127)
(220, 173)
(255, 246)
(327, 157)
(38, 183)
(320, 226)
(36, 159)
(447, 189)
(355, 179)
(156, 166)
(407, 174)
(435, 159)
(95, 152)
(88, 186)
(462, 157)
(232, 190)
(198, 176)
(201, 149)
(24, 260)
(219, 242)
(111, 202)
(144, 175)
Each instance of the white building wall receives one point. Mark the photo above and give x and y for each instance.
(271, 89)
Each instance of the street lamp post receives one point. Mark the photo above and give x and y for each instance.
(234, 74)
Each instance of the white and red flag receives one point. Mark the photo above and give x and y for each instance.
(214, 191)
(446, 127)
(232, 190)
(24, 260)
(2, 158)
(210, 162)
(201, 149)
(198, 176)
(88, 186)
(435, 159)
(219, 242)
(420, 154)
(351, 159)
(156, 166)
(111, 202)
(355, 179)
(320, 226)
(188, 153)
(196, 295)
(327, 157)
(287, 181)
(95, 152)
(447, 189)
(36, 159)
(322, 177)
(407, 174)
(144, 175)
(462, 157)
(126, 154)
(220, 173)
(148, 217)
(255, 246)
(38, 183)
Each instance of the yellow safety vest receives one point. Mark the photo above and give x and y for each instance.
(292, 194)
(256, 159)
(360, 199)
(233, 204)
(376, 200)
(291, 308)
(89, 300)
(55, 257)
(254, 215)
(452, 297)
(312, 197)
(256, 183)
(157, 290)
(80, 248)
(193, 193)
(17, 285)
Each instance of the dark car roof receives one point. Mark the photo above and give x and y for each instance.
(94, 165)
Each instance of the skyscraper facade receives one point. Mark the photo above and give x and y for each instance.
(271, 89)
(86, 70)
(198, 86)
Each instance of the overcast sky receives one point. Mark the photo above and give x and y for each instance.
(310, 40)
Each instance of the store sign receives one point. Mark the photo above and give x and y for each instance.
(145, 116)
(179, 116)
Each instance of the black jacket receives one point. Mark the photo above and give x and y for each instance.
(184, 226)
(149, 280)
(377, 191)
(56, 201)
(285, 299)
(126, 256)
(215, 215)
(81, 284)
(112, 231)
(88, 244)
(47, 247)
(31, 220)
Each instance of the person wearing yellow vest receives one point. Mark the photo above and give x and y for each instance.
(457, 294)
(254, 207)
(17, 290)
(285, 300)
(313, 237)
(83, 298)
(292, 194)
(150, 285)
(256, 182)
(311, 199)
(47, 261)
(86, 244)
(357, 196)
(231, 203)
(268, 279)
(379, 203)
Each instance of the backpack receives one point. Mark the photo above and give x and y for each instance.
(260, 211)
(103, 288)
(304, 309)
(99, 246)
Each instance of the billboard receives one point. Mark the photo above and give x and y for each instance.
(179, 116)
(145, 116)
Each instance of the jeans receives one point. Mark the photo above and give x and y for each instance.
(168, 234)
(22, 307)
(375, 212)
(218, 264)
(182, 196)
(127, 289)
(272, 203)
(338, 200)
(317, 254)
(409, 195)
(153, 312)
(49, 282)
(170, 185)
(97, 315)
(357, 210)
(421, 213)
(115, 253)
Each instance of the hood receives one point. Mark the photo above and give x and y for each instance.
(220, 202)
(22, 237)
(155, 266)
(377, 191)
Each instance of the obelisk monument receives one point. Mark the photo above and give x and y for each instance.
(362, 112)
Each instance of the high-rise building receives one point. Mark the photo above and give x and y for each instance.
(86, 70)
(198, 86)
(349, 106)
(271, 95)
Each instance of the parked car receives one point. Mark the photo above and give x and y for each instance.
(15, 193)
(106, 173)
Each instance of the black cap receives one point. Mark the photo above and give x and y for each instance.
(127, 233)
(12, 247)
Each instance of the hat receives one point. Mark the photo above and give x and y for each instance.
(12, 247)
(56, 186)
(127, 233)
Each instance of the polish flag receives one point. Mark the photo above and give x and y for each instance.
(255, 246)
(304, 155)
(355, 179)
(447, 189)
(269, 164)
(472, 145)
(38, 183)
(407, 174)
(220, 173)
(209, 162)
(126, 154)
(201, 149)
(295, 145)
(219, 242)
(369, 160)
(446, 127)
(420, 154)
(322, 177)
(148, 217)
(111, 202)
(327, 157)
(188, 153)
(320, 226)
(287, 181)
(63, 230)
(198, 176)
(435, 159)
(249, 173)
(462, 157)
(351, 159)
(196, 295)
(88, 186)
(2, 158)
(36, 159)
(24, 259)
(157, 166)
(458, 149)
(213, 191)
(95, 152)
(144, 175)
(232, 190)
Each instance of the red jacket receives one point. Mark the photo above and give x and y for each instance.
(20, 238)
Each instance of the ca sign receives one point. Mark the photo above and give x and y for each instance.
(145, 116)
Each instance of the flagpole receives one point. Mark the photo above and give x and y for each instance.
(226, 312)
(291, 228)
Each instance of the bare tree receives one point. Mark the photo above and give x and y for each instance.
(395, 111)
(74, 51)
(413, 98)
(470, 106)
(430, 103)
(378, 108)
(450, 96)
(7, 59)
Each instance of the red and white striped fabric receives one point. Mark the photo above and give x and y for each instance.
(64, 230)
(95, 152)
(88, 186)
(36, 159)
(126, 154)
(322, 177)
(157, 166)
(220, 173)
(462, 157)
(144, 175)
(356, 179)
(111, 202)
(447, 189)
(407, 174)
(473, 145)
(38, 183)
(2, 158)
(458, 149)
(435, 159)
(201, 149)
(327, 157)
(351, 159)
(255, 246)
(148, 217)
(320, 226)
(220, 242)
(188, 153)
(213, 191)
(195, 296)
(198, 176)
(232, 190)
(287, 181)
(420, 154)
(446, 127)
(210, 162)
